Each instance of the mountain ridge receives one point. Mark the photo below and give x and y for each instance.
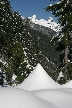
(45, 23)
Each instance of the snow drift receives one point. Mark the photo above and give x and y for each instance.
(37, 80)
(61, 98)
(17, 98)
(40, 92)
(68, 84)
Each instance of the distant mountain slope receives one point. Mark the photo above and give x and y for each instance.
(42, 51)
(42, 29)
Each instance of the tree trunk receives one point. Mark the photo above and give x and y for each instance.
(66, 62)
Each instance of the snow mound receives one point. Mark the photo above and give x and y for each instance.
(61, 98)
(37, 80)
(17, 98)
(68, 84)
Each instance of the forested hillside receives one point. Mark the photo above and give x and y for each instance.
(42, 51)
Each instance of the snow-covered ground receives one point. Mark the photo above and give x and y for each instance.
(37, 91)
(68, 84)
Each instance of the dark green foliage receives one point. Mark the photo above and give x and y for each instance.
(63, 11)
(1, 78)
(15, 64)
(11, 43)
(62, 80)
(70, 70)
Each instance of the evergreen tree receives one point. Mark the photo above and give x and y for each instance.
(11, 43)
(1, 78)
(5, 12)
(63, 11)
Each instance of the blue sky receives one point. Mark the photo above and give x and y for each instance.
(27, 8)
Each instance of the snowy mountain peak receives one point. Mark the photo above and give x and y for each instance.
(46, 23)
